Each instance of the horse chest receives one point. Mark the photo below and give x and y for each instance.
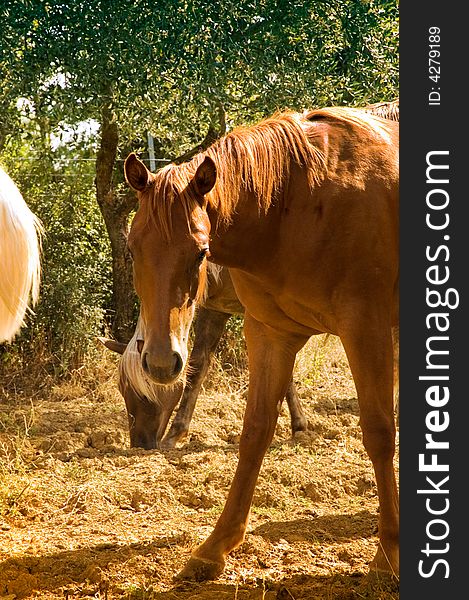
(282, 310)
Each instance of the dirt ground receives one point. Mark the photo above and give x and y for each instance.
(84, 516)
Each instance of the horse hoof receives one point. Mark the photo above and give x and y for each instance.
(172, 438)
(382, 580)
(201, 569)
(168, 444)
(383, 568)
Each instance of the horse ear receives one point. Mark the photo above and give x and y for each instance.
(205, 176)
(136, 173)
(113, 345)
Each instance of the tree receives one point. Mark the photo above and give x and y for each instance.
(184, 73)
(76, 262)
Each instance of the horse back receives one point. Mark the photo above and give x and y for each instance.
(321, 249)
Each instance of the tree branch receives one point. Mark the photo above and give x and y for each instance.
(216, 129)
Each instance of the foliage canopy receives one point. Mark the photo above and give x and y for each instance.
(175, 68)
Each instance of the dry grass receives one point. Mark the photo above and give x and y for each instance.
(84, 516)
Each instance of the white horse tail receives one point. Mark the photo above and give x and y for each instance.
(20, 254)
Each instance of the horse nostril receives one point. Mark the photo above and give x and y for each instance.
(144, 362)
(178, 364)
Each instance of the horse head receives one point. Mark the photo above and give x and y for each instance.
(169, 244)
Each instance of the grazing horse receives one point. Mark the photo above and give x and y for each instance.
(149, 406)
(303, 210)
(20, 251)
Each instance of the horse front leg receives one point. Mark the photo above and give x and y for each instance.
(208, 329)
(271, 360)
(299, 422)
(395, 344)
(367, 340)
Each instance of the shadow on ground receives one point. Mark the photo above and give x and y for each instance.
(88, 571)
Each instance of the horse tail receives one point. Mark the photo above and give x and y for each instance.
(20, 253)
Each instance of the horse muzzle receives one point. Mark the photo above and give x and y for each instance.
(163, 369)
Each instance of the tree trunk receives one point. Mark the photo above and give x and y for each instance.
(115, 209)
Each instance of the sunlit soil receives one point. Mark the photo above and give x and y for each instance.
(84, 516)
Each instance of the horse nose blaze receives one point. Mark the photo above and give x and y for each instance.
(162, 369)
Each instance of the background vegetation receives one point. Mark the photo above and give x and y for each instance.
(83, 82)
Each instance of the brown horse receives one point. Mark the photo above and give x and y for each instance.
(150, 406)
(148, 416)
(303, 210)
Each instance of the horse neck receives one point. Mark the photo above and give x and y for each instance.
(220, 294)
(246, 238)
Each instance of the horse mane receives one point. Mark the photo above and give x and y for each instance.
(257, 158)
(385, 110)
(20, 253)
